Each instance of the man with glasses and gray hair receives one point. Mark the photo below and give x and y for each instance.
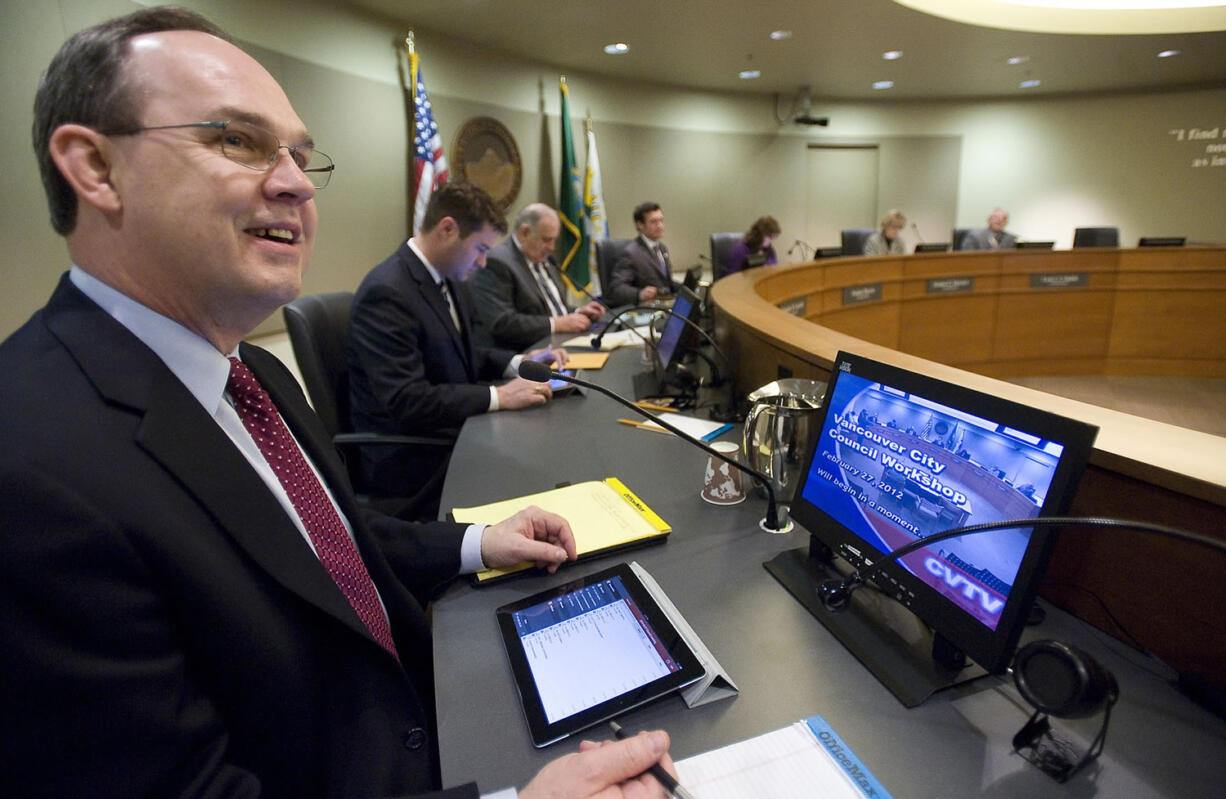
(519, 297)
(193, 603)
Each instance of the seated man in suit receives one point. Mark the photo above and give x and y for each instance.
(644, 272)
(193, 602)
(413, 365)
(519, 297)
(992, 237)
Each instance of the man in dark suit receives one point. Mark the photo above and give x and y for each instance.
(644, 271)
(191, 602)
(519, 297)
(992, 237)
(413, 364)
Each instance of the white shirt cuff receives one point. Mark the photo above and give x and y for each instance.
(513, 366)
(493, 400)
(505, 793)
(470, 550)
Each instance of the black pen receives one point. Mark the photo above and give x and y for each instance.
(656, 770)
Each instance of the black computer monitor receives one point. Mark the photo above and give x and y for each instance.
(1162, 241)
(901, 456)
(936, 246)
(1035, 245)
(676, 337)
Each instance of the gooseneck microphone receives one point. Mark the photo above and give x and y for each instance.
(775, 521)
(835, 594)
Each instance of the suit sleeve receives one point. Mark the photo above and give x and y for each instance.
(493, 292)
(91, 663)
(623, 289)
(386, 340)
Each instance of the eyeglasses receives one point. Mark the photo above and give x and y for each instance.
(254, 147)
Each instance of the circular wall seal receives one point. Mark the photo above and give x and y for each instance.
(487, 156)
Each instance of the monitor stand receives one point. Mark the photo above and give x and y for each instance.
(891, 642)
(647, 384)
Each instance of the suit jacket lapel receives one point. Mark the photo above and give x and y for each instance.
(522, 271)
(177, 432)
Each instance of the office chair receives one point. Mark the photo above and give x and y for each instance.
(607, 253)
(721, 245)
(854, 239)
(958, 234)
(318, 327)
(1096, 237)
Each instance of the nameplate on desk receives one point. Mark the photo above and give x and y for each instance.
(797, 306)
(1059, 280)
(950, 285)
(863, 293)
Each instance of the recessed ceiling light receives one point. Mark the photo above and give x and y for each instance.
(1017, 59)
(1168, 53)
(618, 48)
(883, 84)
(749, 74)
(1028, 84)
(892, 55)
(780, 35)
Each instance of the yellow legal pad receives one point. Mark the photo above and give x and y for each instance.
(604, 515)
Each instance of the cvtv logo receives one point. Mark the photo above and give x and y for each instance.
(957, 580)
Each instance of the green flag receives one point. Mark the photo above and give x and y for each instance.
(571, 242)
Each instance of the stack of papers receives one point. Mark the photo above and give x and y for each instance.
(630, 337)
(703, 429)
(805, 759)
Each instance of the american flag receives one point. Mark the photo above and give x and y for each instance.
(429, 164)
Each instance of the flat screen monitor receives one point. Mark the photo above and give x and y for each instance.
(693, 276)
(931, 246)
(1161, 241)
(676, 338)
(1035, 245)
(901, 456)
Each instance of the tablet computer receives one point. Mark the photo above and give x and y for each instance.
(590, 649)
(560, 387)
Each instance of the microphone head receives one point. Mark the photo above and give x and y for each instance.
(834, 595)
(535, 371)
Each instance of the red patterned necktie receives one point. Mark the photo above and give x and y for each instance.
(336, 550)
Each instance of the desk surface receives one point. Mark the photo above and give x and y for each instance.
(784, 662)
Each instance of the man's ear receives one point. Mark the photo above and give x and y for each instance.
(448, 228)
(84, 158)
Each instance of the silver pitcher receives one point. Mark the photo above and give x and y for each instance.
(780, 430)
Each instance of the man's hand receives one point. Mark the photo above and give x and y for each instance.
(575, 322)
(610, 770)
(594, 311)
(534, 535)
(648, 293)
(558, 357)
(520, 393)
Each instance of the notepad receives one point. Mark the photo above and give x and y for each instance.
(630, 337)
(589, 360)
(703, 429)
(804, 759)
(604, 515)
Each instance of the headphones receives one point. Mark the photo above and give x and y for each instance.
(1060, 680)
